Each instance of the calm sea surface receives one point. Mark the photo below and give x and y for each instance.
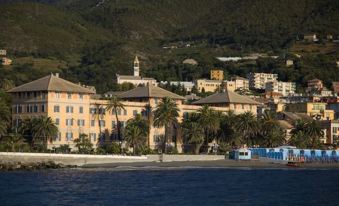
(176, 186)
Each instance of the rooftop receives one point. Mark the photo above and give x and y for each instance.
(149, 92)
(51, 83)
(226, 97)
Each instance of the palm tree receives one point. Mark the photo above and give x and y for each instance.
(99, 115)
(193, 132)
(148, 110)
(247, 127)
(299, 134)
(166, 115)
(84, 145)
(13, 141)
(114, 105)
(228, 130)
(44, 129)
(270, 131)
(136, 132)
(314, 132)
(209, 120)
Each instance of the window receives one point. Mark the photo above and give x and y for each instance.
(69, 136)
(122, 123)
(157, 138)
(113, 125)
(56, 108)
(125, 112)
(69, 95)
(81, 96)
(81, 122)
(93, 136)
(57, 95)
(43, 108)
(57, 121)
(102, 123)
(119, 111)
(35, 108)
(69, 122)
(59, 136)
(135, 112)
(92, 123)
(92, 110)
(27, 109)
(81, 110)
(19, 109)
(69, 109)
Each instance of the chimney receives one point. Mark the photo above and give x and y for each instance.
(57, 75)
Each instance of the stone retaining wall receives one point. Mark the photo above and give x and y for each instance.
(68, 159)
(79, 160)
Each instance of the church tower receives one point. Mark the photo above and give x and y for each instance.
(136, 66)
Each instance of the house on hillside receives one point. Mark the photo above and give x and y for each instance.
(310, 38)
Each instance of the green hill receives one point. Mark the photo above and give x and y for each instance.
(97, 39)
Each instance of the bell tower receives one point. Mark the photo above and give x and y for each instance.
(136, 66)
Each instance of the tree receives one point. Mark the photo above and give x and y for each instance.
(148, 110)
(44, 129)
(314, 131)
(113, 106)
(209, 120)
(166, 115)
(193, 132)
(270, 131)
(136, 132)
(228, 133)
(247, 127)
(13, 141)
(5, 117)
(306, 134)
(98, 114)
(84, 145)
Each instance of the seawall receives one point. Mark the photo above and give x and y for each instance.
(83, 159)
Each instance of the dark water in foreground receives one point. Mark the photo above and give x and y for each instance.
(171, 187)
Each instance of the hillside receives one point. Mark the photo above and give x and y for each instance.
(97, 39)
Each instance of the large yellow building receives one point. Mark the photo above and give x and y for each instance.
(75, 111)
(206, 85)
(316, 110)
(217, 75)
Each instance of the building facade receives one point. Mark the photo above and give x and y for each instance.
(240, 83)
(316, 110)
(74, 110)
(284, 88)
(217, 75)
(208, 85)
(259, 80)
(136, 79)
(314, 85)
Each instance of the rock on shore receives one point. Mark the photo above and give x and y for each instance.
(11, 166)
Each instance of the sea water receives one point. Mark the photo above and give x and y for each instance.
(170, 186)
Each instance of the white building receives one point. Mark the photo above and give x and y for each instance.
(240, 83)
(259, 80)
(187, 85)
(136, 79)
(284, 88)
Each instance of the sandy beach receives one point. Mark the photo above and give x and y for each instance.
(213, 164)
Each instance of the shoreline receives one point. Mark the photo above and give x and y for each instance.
(211, 164)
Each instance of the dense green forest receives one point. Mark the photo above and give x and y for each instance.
(90, 41)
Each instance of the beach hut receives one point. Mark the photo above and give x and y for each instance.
(243, 154)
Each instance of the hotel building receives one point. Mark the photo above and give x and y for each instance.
(74, 109)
